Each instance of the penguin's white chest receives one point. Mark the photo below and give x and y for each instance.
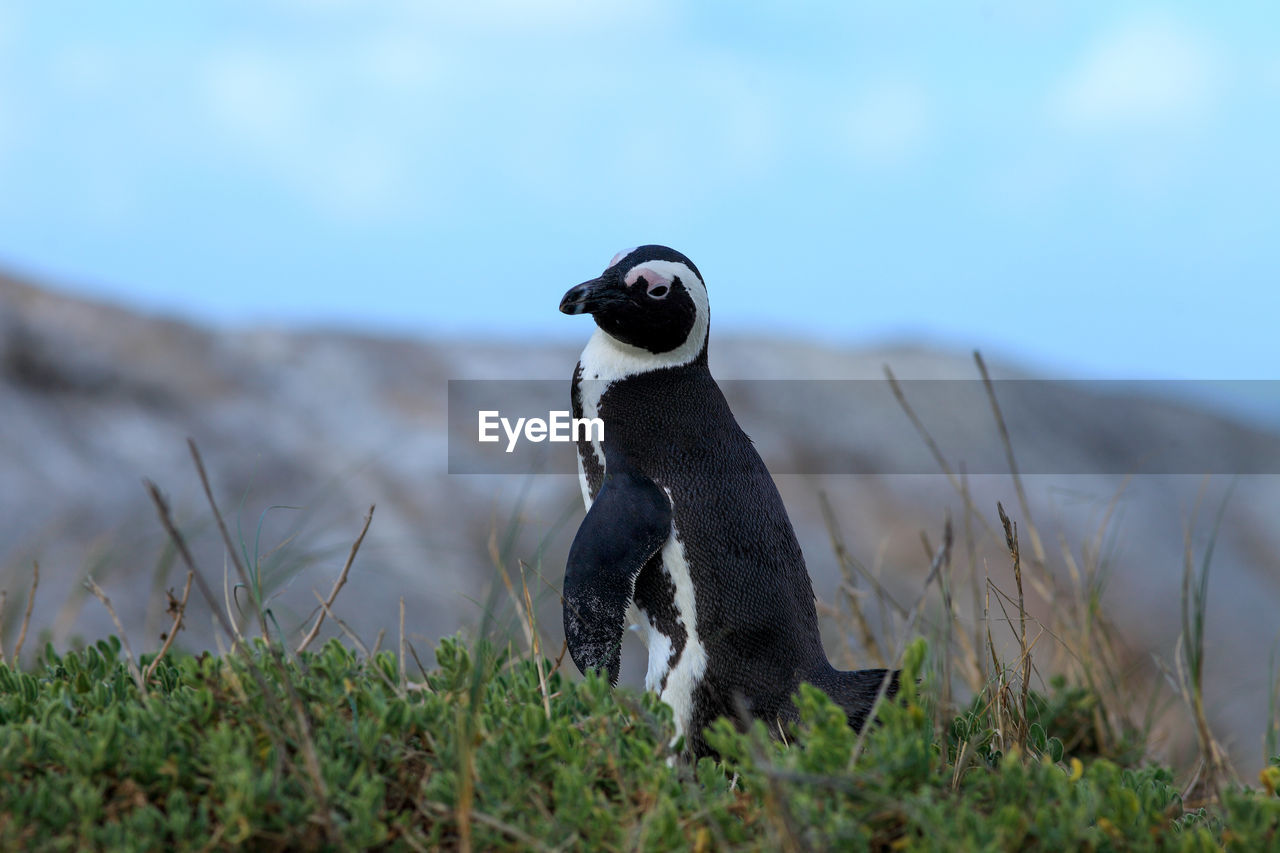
(675, 676)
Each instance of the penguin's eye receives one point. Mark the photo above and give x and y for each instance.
(658, 291)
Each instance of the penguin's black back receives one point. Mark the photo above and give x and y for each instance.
(755, 607)
(726, 601)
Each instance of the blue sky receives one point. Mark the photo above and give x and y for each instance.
(1091, 188)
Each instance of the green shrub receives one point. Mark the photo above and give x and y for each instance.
(217, 755)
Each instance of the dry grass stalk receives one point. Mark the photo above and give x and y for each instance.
(536, 649)
(1036, 546)
(519, 835)
(1271, 738)
(1077, 618)
(941, 557)
(466, 787)
(303, 733)
(850, 586)
(364, 650)
(524, 617)
(422, 670)
(133, 664)
(342, 626)
(997, 702)
(934, 449)
(226, 538)
(963, 759)
(1011, 541)
(526, 612)
(978, 677)
(339, 583)
(26, 616)
(524, 838)
(901, 397)
(178, 608)
(180, 543)
(944, 704)
(975, 668)
(1190, 657)
(559, 594)
(400, 655)
(230, 605)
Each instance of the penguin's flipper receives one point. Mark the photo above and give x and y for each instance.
(627, 524)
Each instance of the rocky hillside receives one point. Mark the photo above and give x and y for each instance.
(303, 430)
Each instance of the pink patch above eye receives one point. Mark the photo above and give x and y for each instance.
(650, 278)
(619, 257)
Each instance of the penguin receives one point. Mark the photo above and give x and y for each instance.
(683, 519)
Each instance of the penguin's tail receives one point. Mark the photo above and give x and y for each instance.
(856, 691)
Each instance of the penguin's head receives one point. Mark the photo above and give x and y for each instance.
(651, 298)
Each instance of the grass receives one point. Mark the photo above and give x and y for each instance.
(271, 745)
(486, 751)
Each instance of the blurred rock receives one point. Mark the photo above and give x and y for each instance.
(302, 430)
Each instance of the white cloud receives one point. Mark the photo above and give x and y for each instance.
(889, 122)
(1150, 72)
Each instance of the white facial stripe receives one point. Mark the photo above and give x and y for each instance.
(608, 358)
(671, 270)
(649, 275)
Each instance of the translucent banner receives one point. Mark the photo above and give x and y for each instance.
(862, 427)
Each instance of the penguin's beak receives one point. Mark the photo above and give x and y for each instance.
(590, 296)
